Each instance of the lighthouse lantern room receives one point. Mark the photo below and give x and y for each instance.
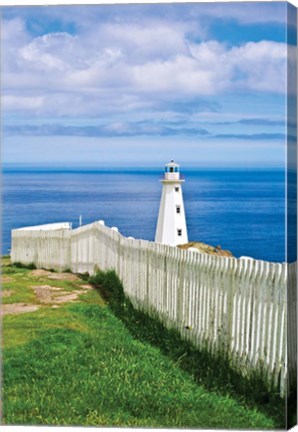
(171, 225)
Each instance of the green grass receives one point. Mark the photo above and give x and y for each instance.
(214, 372)
(18, 283)
(83, 364)
(22, 281)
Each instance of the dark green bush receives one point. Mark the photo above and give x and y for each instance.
(30, 266)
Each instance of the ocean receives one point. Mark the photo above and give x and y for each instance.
(240, 210)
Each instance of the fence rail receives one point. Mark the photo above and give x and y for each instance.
(235, 307)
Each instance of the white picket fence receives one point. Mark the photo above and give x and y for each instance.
(234, 307)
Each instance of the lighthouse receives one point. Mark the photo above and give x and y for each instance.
(171, 225)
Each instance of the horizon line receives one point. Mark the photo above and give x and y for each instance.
(7, 166)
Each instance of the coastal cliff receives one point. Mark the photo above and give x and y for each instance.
(206, 249)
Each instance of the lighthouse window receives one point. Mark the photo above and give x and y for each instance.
(179, 232)
(171, 169)
(176, 169)
(176, 189)
(178, 209)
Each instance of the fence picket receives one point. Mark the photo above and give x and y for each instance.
(237, 306)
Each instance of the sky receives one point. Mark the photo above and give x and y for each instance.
(138, 85)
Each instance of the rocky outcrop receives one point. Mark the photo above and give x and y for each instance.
(206, 249)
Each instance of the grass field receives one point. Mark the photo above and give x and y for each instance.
(76, 361)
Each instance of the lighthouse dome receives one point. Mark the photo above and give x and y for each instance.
(172, 163)
(172, 171)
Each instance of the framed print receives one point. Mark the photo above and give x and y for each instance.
(149, 230)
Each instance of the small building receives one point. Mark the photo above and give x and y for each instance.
(171, 225)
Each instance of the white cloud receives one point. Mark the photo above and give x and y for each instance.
(263, 65)
(13, 37)
(48, 52)
(211, 68)
(22, 103)
(120, 67)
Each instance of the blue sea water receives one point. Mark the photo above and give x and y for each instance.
(241, 210)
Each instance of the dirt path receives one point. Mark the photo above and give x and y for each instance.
(54, 276)
(17, 308)
(51, 295)
(46, 294)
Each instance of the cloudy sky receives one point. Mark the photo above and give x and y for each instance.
(127, 85)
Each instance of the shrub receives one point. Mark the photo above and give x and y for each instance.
(30, 266)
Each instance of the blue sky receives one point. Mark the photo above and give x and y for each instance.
(129, 85)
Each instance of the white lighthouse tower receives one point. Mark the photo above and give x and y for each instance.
(171, 225)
